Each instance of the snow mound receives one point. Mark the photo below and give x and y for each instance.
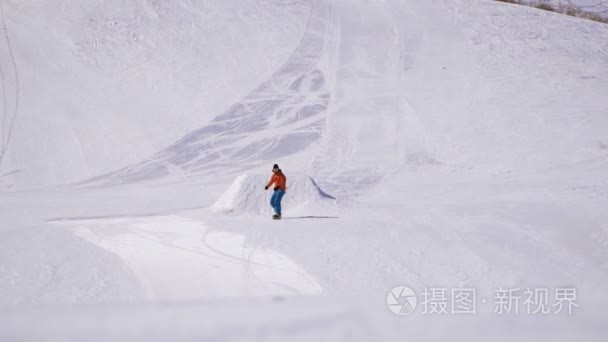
(247, 194)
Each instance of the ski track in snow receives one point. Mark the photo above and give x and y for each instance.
(283, 116)
(7, 62)
(177, 258)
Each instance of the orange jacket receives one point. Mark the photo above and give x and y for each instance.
(279, 180)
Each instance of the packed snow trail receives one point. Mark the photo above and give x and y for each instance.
(283, 116)
(177, 258)
(109, 74)
(9, 78)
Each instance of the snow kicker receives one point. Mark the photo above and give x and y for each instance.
(246, 195)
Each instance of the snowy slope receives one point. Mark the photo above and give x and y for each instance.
(464, 142)
(99, 77)
(595, 6)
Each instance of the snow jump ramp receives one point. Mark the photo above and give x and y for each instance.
(246, 194)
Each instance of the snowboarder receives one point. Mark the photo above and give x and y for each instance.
(279, 181)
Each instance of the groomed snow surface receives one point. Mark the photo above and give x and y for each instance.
(447, 144)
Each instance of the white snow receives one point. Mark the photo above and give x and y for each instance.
(445, 143)
(177, 258)
(99, 77)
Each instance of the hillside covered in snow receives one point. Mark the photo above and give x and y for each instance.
(446, 145)
(596, 10)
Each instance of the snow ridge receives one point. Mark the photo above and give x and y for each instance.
(246, 195)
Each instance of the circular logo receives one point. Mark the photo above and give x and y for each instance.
(401, 300)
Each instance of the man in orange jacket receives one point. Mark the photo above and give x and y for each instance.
(280, 184)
